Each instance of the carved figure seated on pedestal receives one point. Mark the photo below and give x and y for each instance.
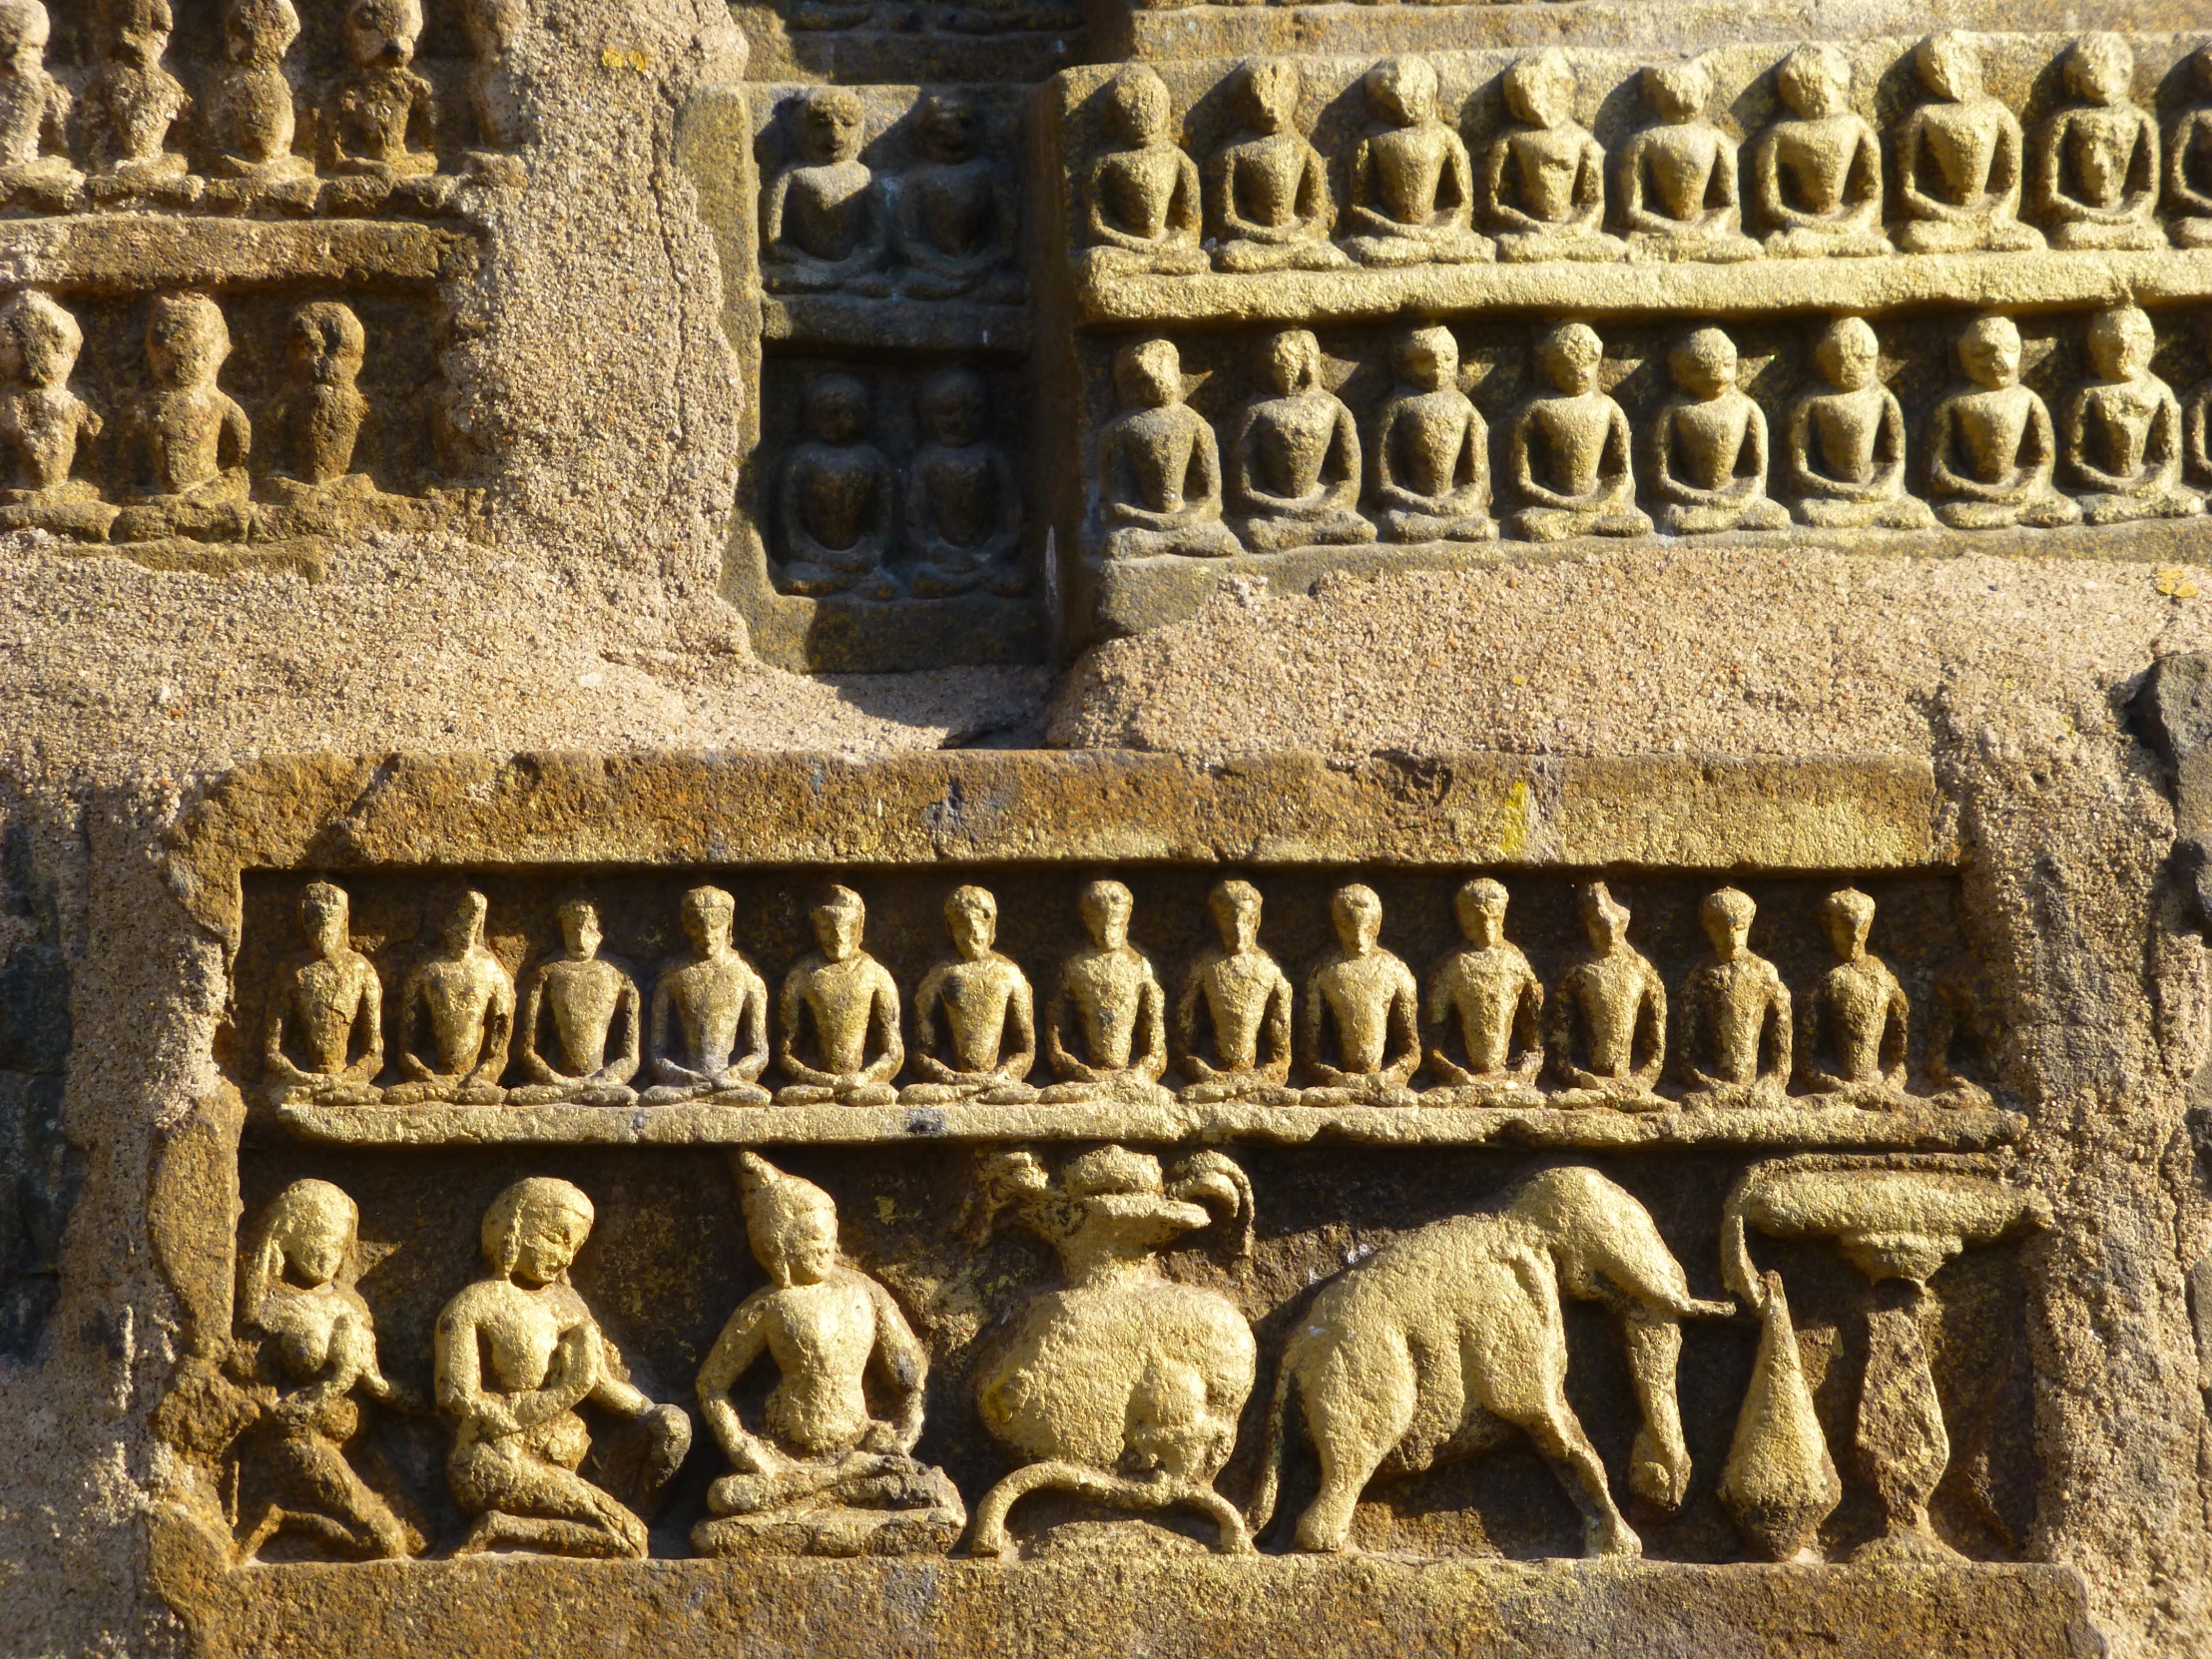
(324, 408)
(1268, 186)
(958, 214)
(1709, 446)
(1233, 1020)
(1608, 1024)
(835, 498)
(323, 1039)
(1105, 1027)
(250, 115)
(1963, 1031)
(2189, 160)
(2196, 415)
(1293, 464)
(1359, 1033)
(1544, 175)
(964, 503)
(185, 442)
(1847, 443)
(381, 124)
(990, 1028)
(1141, 202)
(709, 1014)
(43, 425)
(1431, 448)
(1855, 1021)
(1412, 197)
(1490, 1000)
(848, 1003)
(1678, 191)
(2097, 173)
(829, 1473)
(1990, 447)
(515, 1356)
(1159, 466)
(34, 116)
(1816, 171)
(132, 106)
(494, 97)
(1736, 1027)
(588, 1014)
(1959, 159)
(1571, 454)
(2123, 434)
(456, 1017)
(823, 222)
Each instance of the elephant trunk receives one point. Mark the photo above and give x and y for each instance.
(1659, 1467)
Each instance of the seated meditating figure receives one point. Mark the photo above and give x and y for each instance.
(964, 503)
(580, 1022)
(1487, 997)
(830, 1472)
(1412, 197)
(1105, 1025)
(43, 425)
(1431, 448)
(1232, 1021)
(1159, 466)
(1294, 463)
(185, 442)
(2097, 174)
(1735, 1030)
(1990, 447)
(1853, 1022)
(822, 225)
(1141, 202)
(959, 214)
(1608, 1024)
(836, 498)
(323, 1039)
(2122, 435)
(1358, 1033)
(1268, 186)
(1709, 446)
(497, 98)
(990, 1039)
(1845, 443)
(838, 1014)
(132, 107)
(514, 1357)
(1959, 159)
(381, 125)
(1572, 450)
(34, 116)
(1543, 177)
(1816, 171)
(250, 114)
(2189, 160)
(709, 1014)
(322, 411)
(456, 1020)
(2196, 418)
(1678, 190)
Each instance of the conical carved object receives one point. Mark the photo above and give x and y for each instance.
(1780, 1482)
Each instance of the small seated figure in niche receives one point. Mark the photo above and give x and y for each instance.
(849, 1002)
(1411, 198)
(494, 98)
(709, 1014)
(1105, 1025)
(305, 1351)
(1959, 159)
(2122, 437)
(1709, 446)
(1431, 448)
(958, 214)
(822, 225)
(990, 1024)
(132, 107)
(580, 1022)
(1293, 464)
(964, 503)
(323, 1041)
(2196, 410)
(34, 116)
(1816, 171)
(456, 1021)
(2097, 176)
(2189, 160)
(826, 1475)
(186, 442)
(1736, 1026)
(1963, 1036)
(1544, 175)
(1490, 998)
(43, 425)
(1853, 1027)
(1678, 177)
(380, 129)
(836, 498)
(1159, 466)
(1359, 1033)
(1571, 453)
(324, 408)
(250, 115)
(1990, 447)
(1141, 202)
(1268, 184)
(1609, 1026)
(514, 1357)
(1233, 1020)
(1847, 443)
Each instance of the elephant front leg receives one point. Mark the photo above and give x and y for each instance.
(1558, 1435)
(1355, 1414)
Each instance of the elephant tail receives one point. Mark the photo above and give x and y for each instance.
(1260, 1510)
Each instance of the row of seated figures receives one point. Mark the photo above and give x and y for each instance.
(1298, 474)
(1361, 1028)
(1415, 194)
(370, 136)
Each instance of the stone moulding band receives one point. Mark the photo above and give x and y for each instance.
(142, 253)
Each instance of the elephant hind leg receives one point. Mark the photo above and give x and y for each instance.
(1558, 1435)
(1356, 1415)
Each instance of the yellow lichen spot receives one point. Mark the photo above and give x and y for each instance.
(2174, 583)
(613, 57)
(885, 1211)
(1512, 836)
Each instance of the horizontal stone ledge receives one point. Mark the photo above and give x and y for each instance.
(897, 324)
(126, 253)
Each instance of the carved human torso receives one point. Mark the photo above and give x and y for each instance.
(835, 488)
(43, 425)
(1814, 158)
(1678, 163)
(1427, 434)
(820, 1337)
(1574, 430)
(956, 205)
(1409, 179)
(326, 428)
(1290, 440)
(1484, 988)
(516, 1333)
(2116, 428)
(181, 431)
(1732, 1003)
(1106, 989)
(31, 105)
(1546, 164)
(458, 997)
(323, 1005)
(250, 109)
(974, 998)
(1267, 179)
(583, 998)
(141, 103)
(1359, 993)
(962, 487)
(825, 208)
(841, 997)
(1851, 1011)
(1964, 141)
(1845, 432)
(373, 113)
(708, 1000)
(1136, 189)
(1157, 448)
(1709, 439)
(2096, 147)
(1607, 994)
(1993, 427)
(1238, 988)
(309, 1333)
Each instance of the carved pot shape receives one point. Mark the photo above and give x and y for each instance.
(1780, 1482)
